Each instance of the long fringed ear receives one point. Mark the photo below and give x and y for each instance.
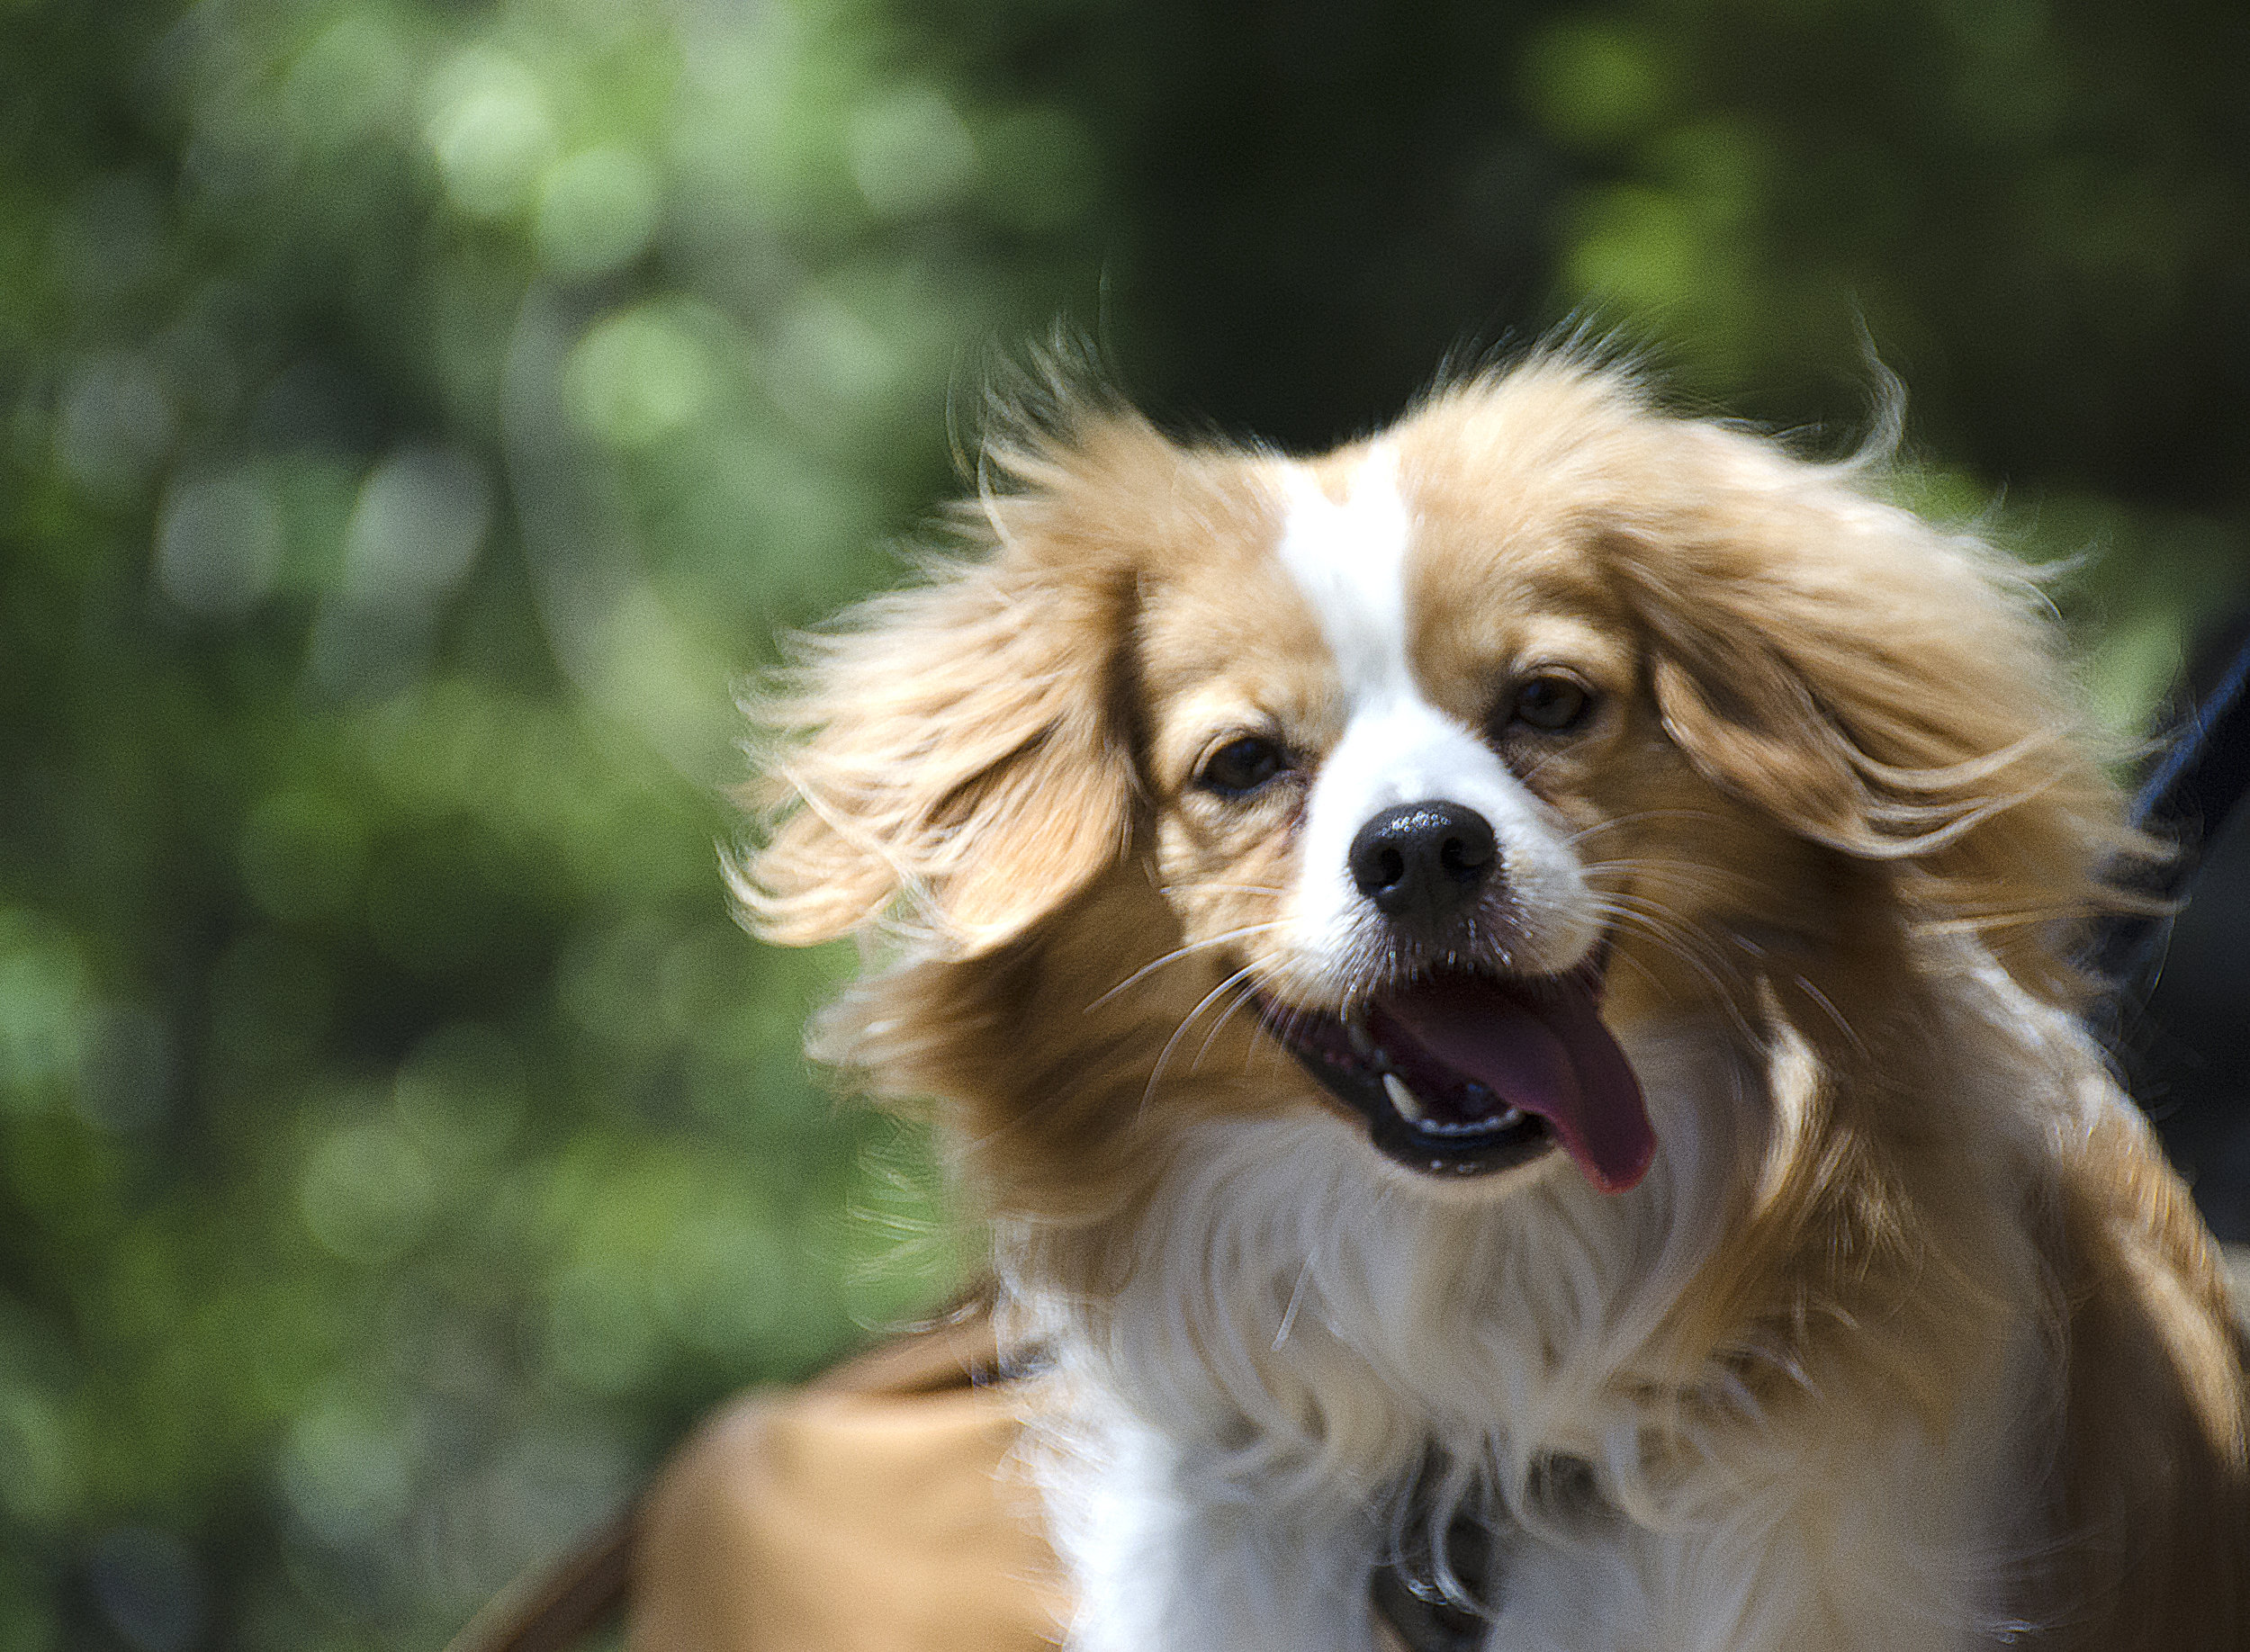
(1888, 690)
(954, 761)
(950, 762)
(1751, 725)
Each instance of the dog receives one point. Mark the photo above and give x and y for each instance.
(1510, 992)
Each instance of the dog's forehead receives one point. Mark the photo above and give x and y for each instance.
(1410, 554)
(1221, 605)
(1395, 558)
(1347, 537)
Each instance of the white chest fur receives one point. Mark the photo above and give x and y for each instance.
(1225, 1448)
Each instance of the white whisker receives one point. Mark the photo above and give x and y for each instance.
(1843, 1025)
(1164, 1056)
(1289, 1314)
(1178, 952)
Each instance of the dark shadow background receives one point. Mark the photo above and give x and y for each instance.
(415, 413)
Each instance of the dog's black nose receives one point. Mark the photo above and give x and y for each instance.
(1424, 864)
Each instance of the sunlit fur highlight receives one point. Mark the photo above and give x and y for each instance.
(1909, 1337)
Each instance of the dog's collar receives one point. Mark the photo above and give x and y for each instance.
(1411, 1592)
(1415, 1606)
(1445, 1599)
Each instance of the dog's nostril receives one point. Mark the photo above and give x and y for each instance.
(1423, 861)
(1464, 859)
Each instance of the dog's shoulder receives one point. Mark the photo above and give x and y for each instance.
(2151, 1479)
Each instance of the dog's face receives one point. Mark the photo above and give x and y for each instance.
(1430, 764)
(1386, 738)
(1369, 784)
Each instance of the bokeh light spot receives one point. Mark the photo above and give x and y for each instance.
(115, 424)
(420, 521)
(367, 1191)
(596, 210)
(637, 378)
(491, 132)
(1595, 82)
(909, 152)
(42, 1012)
(355, 79)
(219, 545)
(348, 1470)
(39, 1473)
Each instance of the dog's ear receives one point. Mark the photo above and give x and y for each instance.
(951, 762)
(1884, 688)
(1748, 721)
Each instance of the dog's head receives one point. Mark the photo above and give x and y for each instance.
(1395, 781)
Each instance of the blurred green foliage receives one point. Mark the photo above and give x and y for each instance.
(414, 416)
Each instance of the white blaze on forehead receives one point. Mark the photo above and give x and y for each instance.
(1349, 560)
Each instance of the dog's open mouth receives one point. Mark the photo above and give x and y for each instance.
(1464, 1074)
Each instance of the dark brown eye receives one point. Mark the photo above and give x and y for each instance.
(1241, 766)
(1551, 702)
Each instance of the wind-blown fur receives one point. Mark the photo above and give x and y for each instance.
(1907, 1339)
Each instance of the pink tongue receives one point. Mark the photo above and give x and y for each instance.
(1546, 1051)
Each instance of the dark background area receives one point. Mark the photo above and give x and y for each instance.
(416, 414)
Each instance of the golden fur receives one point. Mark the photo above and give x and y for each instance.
(1839, 814)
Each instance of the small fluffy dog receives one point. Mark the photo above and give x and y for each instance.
(1509, 994)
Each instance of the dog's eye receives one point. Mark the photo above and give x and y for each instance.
(1551, 702)
(1241, 766)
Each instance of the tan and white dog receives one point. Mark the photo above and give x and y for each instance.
(1510, 988)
